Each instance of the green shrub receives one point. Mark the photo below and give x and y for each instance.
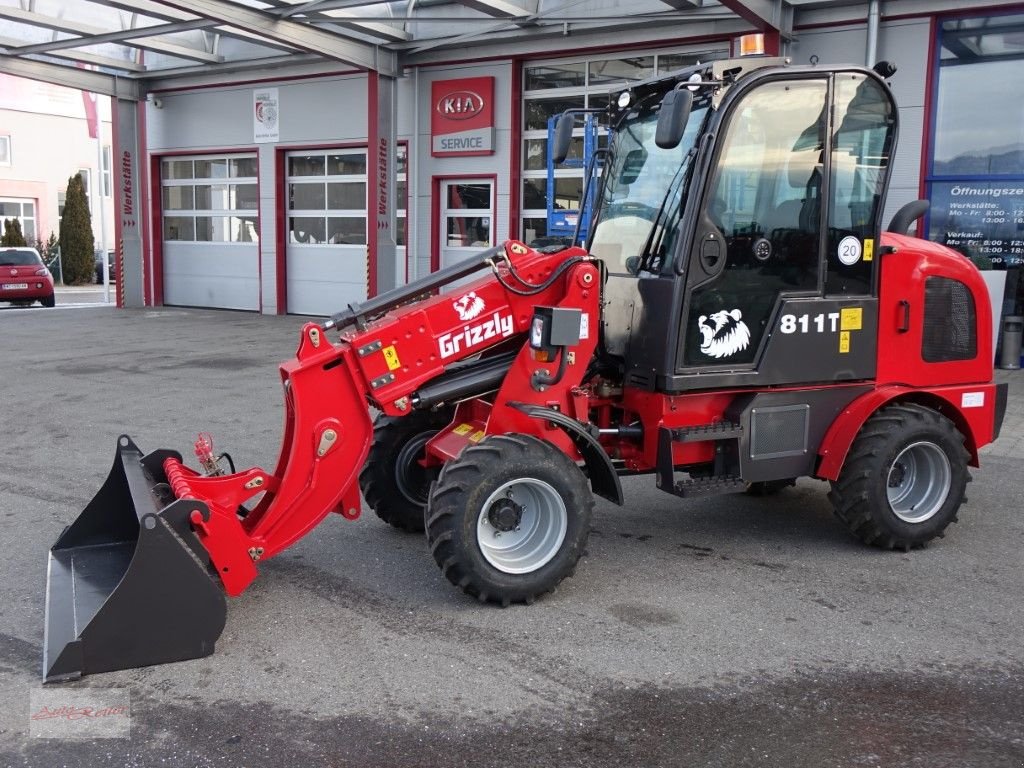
(76, 242)
(12, 234)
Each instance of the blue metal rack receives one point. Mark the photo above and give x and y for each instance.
(561, 221)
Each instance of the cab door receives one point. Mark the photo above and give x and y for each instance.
(780, 278)
(759, 234)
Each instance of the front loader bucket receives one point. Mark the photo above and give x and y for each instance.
(128, 584)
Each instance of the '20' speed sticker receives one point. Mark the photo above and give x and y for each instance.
(849, 250)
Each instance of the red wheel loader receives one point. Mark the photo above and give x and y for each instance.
(737, 319)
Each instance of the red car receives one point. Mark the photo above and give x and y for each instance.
(24, 278)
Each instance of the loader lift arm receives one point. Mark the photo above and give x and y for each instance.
(387, 352)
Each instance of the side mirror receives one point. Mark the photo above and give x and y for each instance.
(672, 117)
(563, 138)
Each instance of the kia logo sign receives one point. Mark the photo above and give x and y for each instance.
(460, 105)
(462, 120)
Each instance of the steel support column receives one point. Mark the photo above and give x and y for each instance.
(128, 203)
(383, 268)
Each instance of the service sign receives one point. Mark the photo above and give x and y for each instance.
(462, 117)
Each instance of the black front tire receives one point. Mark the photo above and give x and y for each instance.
(904, 478)
(392, 481)
(509, 519)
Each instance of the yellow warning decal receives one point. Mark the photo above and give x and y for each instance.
(463, 429)
(844, 342)
(391, 358)
(850, 319)
(477, 436)
(869, 250)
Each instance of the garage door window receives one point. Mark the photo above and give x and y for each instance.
(327, 197)
(210, 199)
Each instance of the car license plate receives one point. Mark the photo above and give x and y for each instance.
(15, 286)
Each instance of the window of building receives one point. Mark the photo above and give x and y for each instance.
(210, 199)
(106, 171)
(976, 177)
(24, 210)
(550, 88)
(5, 150)
(86, 182)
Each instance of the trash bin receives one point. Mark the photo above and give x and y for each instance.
(1013, 331)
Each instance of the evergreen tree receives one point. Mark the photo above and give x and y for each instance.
(12, 234)
(76, 241)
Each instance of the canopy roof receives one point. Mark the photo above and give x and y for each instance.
(125, 47)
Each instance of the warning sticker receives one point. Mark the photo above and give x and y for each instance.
(850, 319)
(844, 342)
(869, 250)
(972, 400)
(463, 429)
(391, 358)
(477, 436)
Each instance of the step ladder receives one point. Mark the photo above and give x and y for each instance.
(724, 477)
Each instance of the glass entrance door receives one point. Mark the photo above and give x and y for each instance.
(467, 219)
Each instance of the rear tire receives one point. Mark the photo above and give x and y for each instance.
(49, 301)
(904, 478)
(392, 481)
(509, 519)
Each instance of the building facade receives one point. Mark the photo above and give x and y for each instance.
(297, 188)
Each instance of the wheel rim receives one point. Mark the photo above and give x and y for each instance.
(919, 481)
(411, 478)
(522, 525)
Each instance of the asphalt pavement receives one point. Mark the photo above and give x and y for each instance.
(730, 631)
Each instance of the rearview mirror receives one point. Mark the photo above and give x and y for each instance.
(563, 138)
(672, 117)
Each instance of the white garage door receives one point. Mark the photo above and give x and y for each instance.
(327, 256)
(210, 231)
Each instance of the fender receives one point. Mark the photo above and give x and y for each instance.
(604, 480)
(979, 426)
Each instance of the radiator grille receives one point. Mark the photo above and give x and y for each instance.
(779, 431)
(950, 322)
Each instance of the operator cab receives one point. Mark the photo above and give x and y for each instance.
(745, 252)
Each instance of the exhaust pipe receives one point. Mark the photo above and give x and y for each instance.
(127, 583)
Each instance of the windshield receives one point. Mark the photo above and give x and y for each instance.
(644, 190)
(19, 257)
